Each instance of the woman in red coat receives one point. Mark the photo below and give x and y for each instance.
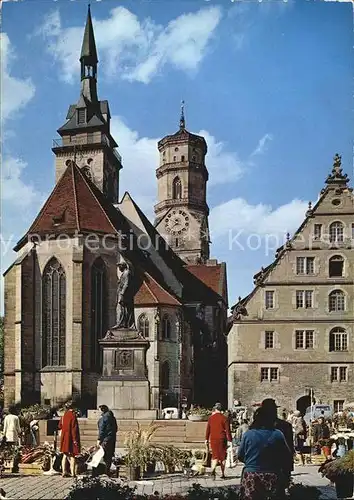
(219, 434)
(69, 439)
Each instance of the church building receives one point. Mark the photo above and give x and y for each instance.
(60, 293)
(292, 337)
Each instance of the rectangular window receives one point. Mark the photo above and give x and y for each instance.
(269, 299)
(305, 265)
(338, 374)
(304, 339)
(299, 299)
(269, 374)
(264, 374)
(269, 340)
(81, 116)
(308, 299)
(342, 374)
(338, 405)
(317, 231)
(304, 299)
(352, 231)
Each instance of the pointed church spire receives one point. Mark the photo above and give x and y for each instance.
(89, 62)
(182, 121)
(88, 49)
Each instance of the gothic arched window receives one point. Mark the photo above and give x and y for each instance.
(53, 314)
(165, 375)
(143, 325)
(338, 339)
(336, 301)
(166, 327)
(336, 232)
(177, 188)
(98, 308)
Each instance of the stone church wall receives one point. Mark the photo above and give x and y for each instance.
(10, 333)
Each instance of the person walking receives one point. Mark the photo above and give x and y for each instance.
(12, 428)
(219, 434)
(263, 451)
(300, 433)
(107, 435)
(69, 440)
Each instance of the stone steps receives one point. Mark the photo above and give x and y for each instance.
(179, 433)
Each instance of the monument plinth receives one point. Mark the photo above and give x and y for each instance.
(124, 385)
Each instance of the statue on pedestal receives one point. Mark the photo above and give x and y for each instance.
(125, 299)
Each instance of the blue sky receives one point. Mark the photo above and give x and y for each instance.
(269, 85)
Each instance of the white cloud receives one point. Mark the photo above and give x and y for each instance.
(262, 145)
(141, 158)
(16, 92)
(133, 49)
(15, 191)
(238, 215)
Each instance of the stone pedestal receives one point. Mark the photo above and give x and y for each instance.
(124, 386)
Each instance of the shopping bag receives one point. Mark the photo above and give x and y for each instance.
(207, 457)
(96, 458)
(231, 460)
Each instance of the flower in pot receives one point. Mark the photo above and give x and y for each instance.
(340, 472)
(198, 414)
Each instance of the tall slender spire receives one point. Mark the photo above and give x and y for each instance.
(182, 121)
(88, 49)
(89, 60)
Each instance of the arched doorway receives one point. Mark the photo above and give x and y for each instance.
(303, 403)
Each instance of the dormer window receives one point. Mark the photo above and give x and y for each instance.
(81, 116)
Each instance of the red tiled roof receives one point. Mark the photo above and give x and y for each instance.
(71, 206)
(151, 293)
(212, 276)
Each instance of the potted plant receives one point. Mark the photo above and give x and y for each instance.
(138, 443)
(340, 472)
(169, 456)
(198, 414)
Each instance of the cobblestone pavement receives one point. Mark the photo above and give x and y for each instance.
(56, 487)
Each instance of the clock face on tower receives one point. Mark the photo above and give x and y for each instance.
(177, 222)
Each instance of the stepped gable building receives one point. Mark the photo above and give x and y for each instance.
(294, 332)
(60, 293)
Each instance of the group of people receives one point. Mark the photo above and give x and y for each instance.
(70, 438)
(266, 449)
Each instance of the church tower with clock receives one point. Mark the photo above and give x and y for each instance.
(85, 137)
(182, 210)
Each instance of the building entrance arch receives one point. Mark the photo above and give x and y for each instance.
(304, 402)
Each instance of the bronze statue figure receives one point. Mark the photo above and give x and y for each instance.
(125, 298)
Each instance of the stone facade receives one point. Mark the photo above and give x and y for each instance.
(67, 270)
(182, 210)
(294, 332)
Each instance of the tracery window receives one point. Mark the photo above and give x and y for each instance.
(98, 308)
(143, 325)
(53, 314)
(166, 327)
(177, 188)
